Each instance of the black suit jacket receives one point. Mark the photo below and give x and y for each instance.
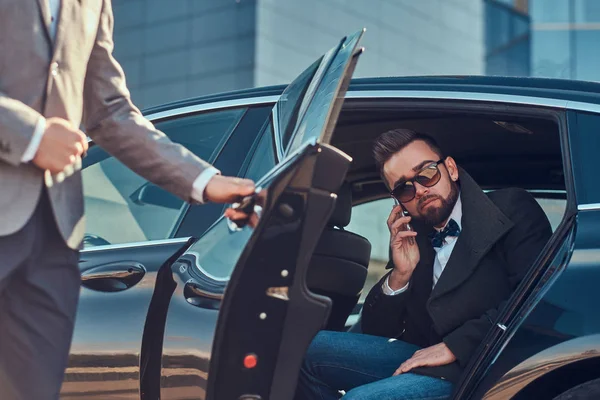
(502, 234)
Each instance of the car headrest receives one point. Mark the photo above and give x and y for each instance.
(343, 207)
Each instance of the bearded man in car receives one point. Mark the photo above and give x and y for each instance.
(456, 256)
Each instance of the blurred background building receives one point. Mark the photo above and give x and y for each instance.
(543, 38)
(183, 48)
(507, 27)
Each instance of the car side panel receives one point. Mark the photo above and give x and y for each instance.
(105, 351)
(562, 328)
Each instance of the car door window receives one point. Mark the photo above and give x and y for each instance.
(220, 248)
(263, 156)
(288, 116)
(322, 100)
(122, 207)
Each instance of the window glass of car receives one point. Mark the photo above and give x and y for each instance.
(290, 102)
(263, 156)
(122, 207)
(217, 252)
(585, 142)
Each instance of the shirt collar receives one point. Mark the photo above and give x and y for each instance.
(456, 214)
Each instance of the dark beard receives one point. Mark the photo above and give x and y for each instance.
(435, 216)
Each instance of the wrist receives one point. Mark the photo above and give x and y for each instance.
(398, 280)
(36, 139)
(199, 192)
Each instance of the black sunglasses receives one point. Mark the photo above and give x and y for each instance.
(428, 177)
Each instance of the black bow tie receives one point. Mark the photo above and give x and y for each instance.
(438, 237)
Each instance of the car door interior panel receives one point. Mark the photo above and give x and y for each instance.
(271, 279)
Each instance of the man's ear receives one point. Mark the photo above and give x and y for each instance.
(452, 168)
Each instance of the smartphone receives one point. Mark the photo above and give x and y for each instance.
(405, 213)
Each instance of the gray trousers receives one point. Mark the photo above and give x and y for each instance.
(39, 289)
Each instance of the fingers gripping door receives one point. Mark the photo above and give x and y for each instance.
(268, 317)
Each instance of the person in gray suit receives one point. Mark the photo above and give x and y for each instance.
(57, 73)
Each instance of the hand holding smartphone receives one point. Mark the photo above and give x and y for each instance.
(404, 251)
(411, 240)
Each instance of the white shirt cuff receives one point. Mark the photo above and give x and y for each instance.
(35, 141)
(200, 183)
(388, 291)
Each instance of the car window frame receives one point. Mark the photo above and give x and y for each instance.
(213, 157)
(176, 113)
(252, 120)
(263, 134)
(556, 110)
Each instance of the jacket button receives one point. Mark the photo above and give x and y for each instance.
(54, 68)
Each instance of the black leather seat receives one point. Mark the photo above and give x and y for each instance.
(338, 268)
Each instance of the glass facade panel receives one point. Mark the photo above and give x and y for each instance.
(549, 11)
(507, 40)
(521, 25)
(587, 55)
(551, 54)
(587, 11)
(564, 33)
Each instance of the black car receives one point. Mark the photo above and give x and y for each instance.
(179, 303)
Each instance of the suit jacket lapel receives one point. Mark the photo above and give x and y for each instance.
(45, 11)
(483, 224)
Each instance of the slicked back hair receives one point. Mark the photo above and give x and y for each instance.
(391, 142)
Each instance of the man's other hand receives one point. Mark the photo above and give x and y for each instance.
(432, 356)
(226, 189)
(61, 146)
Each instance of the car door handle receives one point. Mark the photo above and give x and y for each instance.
(197, 296)
(113, 277)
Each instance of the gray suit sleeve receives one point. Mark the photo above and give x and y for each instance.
(114, 123)
(17, 124)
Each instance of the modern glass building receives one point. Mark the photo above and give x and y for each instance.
(507, 38)
(543, 38)
(565, 37)
(184, 48)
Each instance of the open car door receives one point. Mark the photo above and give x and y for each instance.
(268, 316)
(232, 317)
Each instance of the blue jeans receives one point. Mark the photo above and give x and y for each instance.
(362, 365)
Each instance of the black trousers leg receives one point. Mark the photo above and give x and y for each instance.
(39, 289)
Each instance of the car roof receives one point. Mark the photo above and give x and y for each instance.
(561, 89)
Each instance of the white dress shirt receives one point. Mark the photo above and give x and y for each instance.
(54, 9)
(197, 187)
(442, 254)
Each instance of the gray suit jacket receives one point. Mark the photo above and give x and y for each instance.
(75, 78)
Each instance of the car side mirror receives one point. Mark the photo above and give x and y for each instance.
(149, 193)
(91, 240)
